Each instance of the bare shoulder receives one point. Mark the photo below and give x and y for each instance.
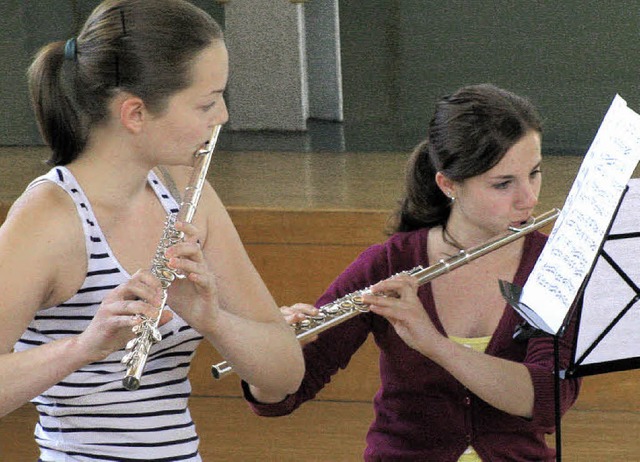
(43, 236)
(45, 207)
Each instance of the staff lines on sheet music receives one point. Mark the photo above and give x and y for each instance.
(586, 215)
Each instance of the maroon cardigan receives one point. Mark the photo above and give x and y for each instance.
(421, 411)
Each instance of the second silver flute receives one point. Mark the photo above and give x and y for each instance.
(350, 305)
(147, 332)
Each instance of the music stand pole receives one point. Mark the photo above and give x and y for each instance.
(556, 393)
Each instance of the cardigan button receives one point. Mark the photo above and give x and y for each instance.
(467, 401)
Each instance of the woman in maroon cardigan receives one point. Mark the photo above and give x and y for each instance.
(455, 384)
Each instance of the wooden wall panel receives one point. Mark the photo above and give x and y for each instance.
(617, 391)
(16, 435)
(599, 436)
(332, 227)
(331, 431)
(318, 431)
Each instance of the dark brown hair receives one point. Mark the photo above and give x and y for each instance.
(470, 132)
(143, 47)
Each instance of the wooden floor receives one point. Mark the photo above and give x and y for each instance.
(303, 218)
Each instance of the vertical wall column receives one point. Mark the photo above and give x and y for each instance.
(323, 59)
(276, 53)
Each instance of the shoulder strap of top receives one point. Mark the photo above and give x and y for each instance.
(63, 177)
(166, 197)
(170, 184)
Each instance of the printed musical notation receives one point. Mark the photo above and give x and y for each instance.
(585, 217)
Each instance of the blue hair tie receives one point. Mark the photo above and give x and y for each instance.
(71, 49)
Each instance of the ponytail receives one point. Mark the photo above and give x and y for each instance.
(51, 80)
(424, 204)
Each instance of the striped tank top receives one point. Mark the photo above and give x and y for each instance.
(89, 415)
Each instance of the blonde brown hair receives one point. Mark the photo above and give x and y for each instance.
(139, 46)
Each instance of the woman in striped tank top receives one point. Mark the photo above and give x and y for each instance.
(140, 88)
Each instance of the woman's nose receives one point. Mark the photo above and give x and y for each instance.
(528, 197)
(223, 115)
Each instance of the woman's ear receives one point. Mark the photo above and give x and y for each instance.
(132, 113)
(446, 185)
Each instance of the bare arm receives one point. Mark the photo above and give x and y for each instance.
(506, 385)
(292, 314)
(242, 321)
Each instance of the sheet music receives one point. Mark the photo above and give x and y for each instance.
(581, 226)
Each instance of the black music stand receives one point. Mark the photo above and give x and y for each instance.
(572, 265)
(607, 338)
(604, 315)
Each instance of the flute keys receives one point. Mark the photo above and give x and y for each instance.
(333, 309)
(319, 317)
(301, 326)
(155, 334)
(131, 344)
(166, 275)
(360, 305)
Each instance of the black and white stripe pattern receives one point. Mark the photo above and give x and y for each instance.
(89, 415)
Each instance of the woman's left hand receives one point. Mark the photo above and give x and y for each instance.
(194, 298)
(396, 299)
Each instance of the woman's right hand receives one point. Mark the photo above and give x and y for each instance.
(111, 327)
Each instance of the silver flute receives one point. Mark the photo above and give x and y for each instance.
(147, 332)
(351, 305)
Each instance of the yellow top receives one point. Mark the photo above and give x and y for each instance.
(477, 344)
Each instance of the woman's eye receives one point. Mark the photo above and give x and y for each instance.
(503, 185)
(208, 106)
